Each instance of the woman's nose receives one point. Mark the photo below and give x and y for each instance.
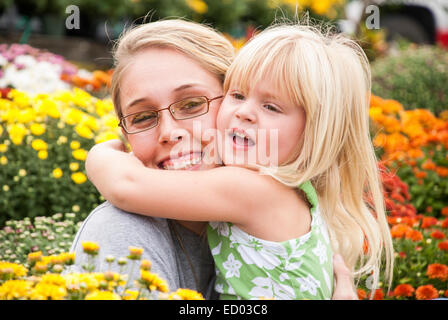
(169, 130)
(246, 112)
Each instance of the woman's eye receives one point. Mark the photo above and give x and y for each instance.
(139, 118)
(271, 108)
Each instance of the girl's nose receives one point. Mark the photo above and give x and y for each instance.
(245, 112)
(169, 130)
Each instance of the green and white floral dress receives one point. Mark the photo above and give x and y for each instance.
(251, 268)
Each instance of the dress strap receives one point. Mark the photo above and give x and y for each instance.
(310, 193)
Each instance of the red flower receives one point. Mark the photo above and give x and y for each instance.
(437, 234)
(402, 254)
(399, 230)
(361, 294)
(443, 245)
(404, 290)
(445, 211)
(428, 222)
(427, 292)
(446, 293)
(379, 294)
(445, 223)
(437, 271)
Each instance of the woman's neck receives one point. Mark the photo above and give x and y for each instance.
(197, 227)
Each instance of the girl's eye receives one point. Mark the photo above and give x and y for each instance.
(237, 96)
(271, 108)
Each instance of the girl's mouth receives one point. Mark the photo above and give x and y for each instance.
(189, 161)
(241, 140)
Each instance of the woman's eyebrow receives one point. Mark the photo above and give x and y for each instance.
(186, 86)
(135, 102)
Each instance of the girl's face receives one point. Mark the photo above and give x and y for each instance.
(155, 79)
(260, 126)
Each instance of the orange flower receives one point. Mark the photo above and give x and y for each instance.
(437, 271)
(443, 245)
(427, 292)
(399, 230)
(420, 174)
(446, 293)
(437, 234)
(428, 222)
(379, 294)
(429, 165)
(404, 290)
(442, 171)
(414, 235)
(361, 294)
(415, 153)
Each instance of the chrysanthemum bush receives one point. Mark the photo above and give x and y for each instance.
(421, 260)
(43, 278)
(49, 235)
(413, 144)
(44, 140)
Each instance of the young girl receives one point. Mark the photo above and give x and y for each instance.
(313, 90)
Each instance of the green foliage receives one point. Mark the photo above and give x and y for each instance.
(417, 77)
(51, 235)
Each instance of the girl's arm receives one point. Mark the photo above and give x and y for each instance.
(220, 194)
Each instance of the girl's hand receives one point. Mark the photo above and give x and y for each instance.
(344, 289)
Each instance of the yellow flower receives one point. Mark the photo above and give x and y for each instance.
(80, 154)
(34, 256)
(75, 145)
(79, 177)
(130, 295)
(5, 188)
(73, 116)
(198, 6)
(84, 131)
(3, 160)
(3, 147)
(37, 129)
(74, 166)
(153, 281)
(62, 140)
(48, 291)
(42, 154)
(135, 253)
(14, 269)
(102, 295)
(39, 144)
(15, 289)
(22, 172)
(57, 173)
(90, 247)
(145, 264)
(16, 133)
(186, 294)
(76, 208)
(105, 136)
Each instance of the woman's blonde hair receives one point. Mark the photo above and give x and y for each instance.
(329, 76)
(199, 42)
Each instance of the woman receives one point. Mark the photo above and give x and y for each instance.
(160, 66)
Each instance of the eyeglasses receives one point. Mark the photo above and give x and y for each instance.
(180, 110)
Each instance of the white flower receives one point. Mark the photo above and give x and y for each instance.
(216, 250)
(232, 266)
(3, 61)
(268, 288)
(309, 284)
(223, 228)
(321, 251)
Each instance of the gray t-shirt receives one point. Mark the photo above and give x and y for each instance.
(115, 230)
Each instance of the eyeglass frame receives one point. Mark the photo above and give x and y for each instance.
(121, 124)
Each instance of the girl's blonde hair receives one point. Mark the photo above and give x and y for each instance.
(329, 76)
(197, 41)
